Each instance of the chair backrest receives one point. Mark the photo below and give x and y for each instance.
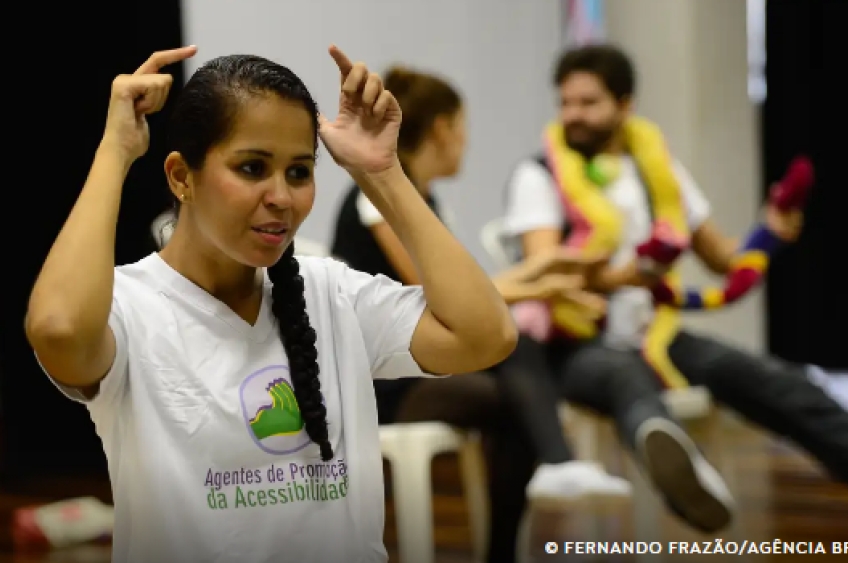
(501, 247)
(309, 247)
(163, 227)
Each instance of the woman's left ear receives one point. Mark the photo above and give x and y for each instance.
(442, 127)
(179, 176)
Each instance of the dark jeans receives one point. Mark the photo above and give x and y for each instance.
(775, 395)
(527, 386)
(474, 401)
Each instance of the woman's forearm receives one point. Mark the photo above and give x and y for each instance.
(72, 296)
(459, 293)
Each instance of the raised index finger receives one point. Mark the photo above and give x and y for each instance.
(162, 59)
(342, 61)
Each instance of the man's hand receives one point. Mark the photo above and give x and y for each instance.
(558, 261)
(658, 254)
(786, 225)
(787, 198)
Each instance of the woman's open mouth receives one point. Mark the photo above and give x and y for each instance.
(272, 234)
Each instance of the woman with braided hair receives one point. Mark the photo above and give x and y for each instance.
(231, 383)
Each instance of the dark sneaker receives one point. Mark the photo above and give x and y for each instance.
(692, 487)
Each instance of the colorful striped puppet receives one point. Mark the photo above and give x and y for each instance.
(596, 227)
(752, 258)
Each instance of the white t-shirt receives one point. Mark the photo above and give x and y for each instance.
(206, 459)
(533, 202)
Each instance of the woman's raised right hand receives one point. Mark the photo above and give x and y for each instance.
(135, 96)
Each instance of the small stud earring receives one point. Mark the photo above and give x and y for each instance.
(182, 197)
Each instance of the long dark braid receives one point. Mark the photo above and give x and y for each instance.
(298, 336)
(203, 115)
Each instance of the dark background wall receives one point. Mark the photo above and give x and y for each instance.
(805, 112)
(59, 77)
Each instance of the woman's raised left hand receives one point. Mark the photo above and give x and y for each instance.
(363, 137)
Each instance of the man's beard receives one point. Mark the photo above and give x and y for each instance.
(591, 140)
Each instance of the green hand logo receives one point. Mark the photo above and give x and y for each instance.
(282, 417)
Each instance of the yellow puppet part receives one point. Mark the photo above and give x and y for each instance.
(597, 226)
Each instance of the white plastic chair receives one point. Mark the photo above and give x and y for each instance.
(308, 247)
(163, 227)
(410, 449)
(497, 244)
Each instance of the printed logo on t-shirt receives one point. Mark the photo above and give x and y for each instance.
(271, 411)
(274, 423)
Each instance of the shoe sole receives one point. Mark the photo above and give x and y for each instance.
(673, 464)
(596, 498)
